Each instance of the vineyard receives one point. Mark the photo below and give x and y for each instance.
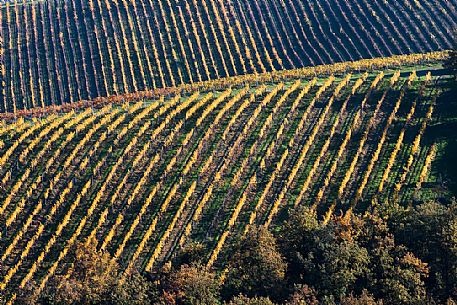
(55, 52)
(142, 179)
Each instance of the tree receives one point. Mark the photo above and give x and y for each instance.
(296, 238)
(244, 300)
(350, 255)
(325, 257)
(364, 299)
(93, 278)
(395, 274)
(135, 290)
(303, 295)
(334, 263)
(451, 62)
(193, 252)
(430, 231)
(256, 267)
(191, 285)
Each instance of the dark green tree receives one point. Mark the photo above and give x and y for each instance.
(395, 274)
(134, 290)
(325, 257)
(191, 253)
(430, 231)
(296, 239)
(256, 267)
(347, 256)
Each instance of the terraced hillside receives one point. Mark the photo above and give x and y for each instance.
(143, 179)
(54, 52)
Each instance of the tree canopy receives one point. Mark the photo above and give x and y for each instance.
(389, 255)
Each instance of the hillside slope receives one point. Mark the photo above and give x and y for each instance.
(142, 179)
(55, 52)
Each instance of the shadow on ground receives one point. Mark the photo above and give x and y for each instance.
(445, 131)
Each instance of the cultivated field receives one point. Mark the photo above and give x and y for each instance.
(54, 52)
(142, 179)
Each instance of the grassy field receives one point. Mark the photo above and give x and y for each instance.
(142, 179)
